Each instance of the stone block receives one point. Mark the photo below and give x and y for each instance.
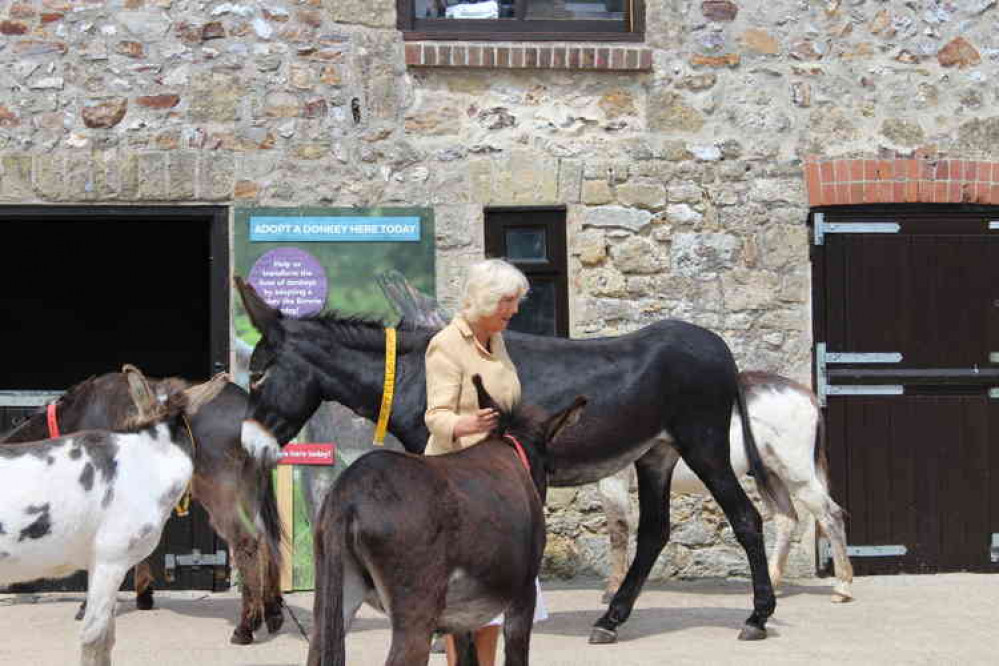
(570, 178)
(649, 196)
(454, 224)
(50, 183)
(703, 255)
(637, 254)
(182, 174)
(15, 179)
(216, 176)
(597, 193)
(152, 176)
(617, 217)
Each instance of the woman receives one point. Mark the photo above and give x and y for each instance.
(473, 344)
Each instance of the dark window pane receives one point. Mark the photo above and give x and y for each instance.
(575, 9)
(537, 311)
(526, 245)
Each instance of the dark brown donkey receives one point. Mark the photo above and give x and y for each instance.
(231, 484)
(439, 543)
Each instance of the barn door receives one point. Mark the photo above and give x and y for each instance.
(907, 364)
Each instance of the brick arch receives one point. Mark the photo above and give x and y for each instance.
(840, 182)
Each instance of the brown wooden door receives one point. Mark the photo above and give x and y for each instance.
(914, 440)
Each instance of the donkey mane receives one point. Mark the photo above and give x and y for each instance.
(368, 333)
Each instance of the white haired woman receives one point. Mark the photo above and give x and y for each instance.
(473, 344)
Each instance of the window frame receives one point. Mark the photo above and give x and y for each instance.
(556, 269)
(475, 30)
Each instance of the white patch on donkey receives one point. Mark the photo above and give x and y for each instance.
(260, 443)
(94, 500)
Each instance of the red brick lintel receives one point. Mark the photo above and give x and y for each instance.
(528, 56)
(840, 182)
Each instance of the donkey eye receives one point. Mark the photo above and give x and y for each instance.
(257, 378)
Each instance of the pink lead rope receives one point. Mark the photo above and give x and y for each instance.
(50, 417)
(519, 448)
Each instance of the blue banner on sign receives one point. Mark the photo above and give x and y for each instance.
(320, 229)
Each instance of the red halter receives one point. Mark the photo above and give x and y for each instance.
(50, 417)
(519, 448)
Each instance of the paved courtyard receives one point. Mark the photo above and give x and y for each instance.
(943, 619)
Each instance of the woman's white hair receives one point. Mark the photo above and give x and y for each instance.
(486, 283)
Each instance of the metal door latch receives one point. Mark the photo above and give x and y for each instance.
(897, 550)
(194, 559)
(824, 358)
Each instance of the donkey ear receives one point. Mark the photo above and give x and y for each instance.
(142, 393)
(562, 420)
(485, 400)
(200, 395)
(262, 316)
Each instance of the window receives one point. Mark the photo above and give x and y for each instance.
(533, 240)
(534, 20)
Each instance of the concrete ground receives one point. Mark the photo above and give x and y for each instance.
(942, 619)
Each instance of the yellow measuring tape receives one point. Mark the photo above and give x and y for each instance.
(184, 503)
(388, 390)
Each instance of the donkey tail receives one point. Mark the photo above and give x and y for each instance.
(821, 450)
(328, 634)
(269, 516)
(764, 481)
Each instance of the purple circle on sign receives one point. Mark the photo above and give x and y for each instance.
(291, 280)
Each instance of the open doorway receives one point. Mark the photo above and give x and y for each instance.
(86, 289)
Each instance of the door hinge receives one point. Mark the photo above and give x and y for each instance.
(824, 358)
(877, 551)
(993, 225)
(194, 559)
(826, 557)
(994, 550)
(821, 228)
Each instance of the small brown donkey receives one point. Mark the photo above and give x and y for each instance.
(438, 543)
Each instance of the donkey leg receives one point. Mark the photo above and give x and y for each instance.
(517, 625)
(830, 517)
(144, 580)
(410, 646)
(270, 589)
(97, 633)
(250, 616)
(707, 456)
(655, 470)
(615, 499)
(787, 523)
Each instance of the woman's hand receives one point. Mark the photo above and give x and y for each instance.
(483, 420)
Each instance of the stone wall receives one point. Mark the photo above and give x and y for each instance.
(682, 177)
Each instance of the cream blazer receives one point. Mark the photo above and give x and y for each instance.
(452, 357)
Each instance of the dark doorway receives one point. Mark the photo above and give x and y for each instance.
(907, 323)
(87, 289)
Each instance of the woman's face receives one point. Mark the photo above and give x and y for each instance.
(500, 318)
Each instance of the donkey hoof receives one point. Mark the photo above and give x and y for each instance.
(144, 601)
(841, 597)
(241, 637)
(751, 633)
(275, 622)
(81, 611)
(601, 636)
